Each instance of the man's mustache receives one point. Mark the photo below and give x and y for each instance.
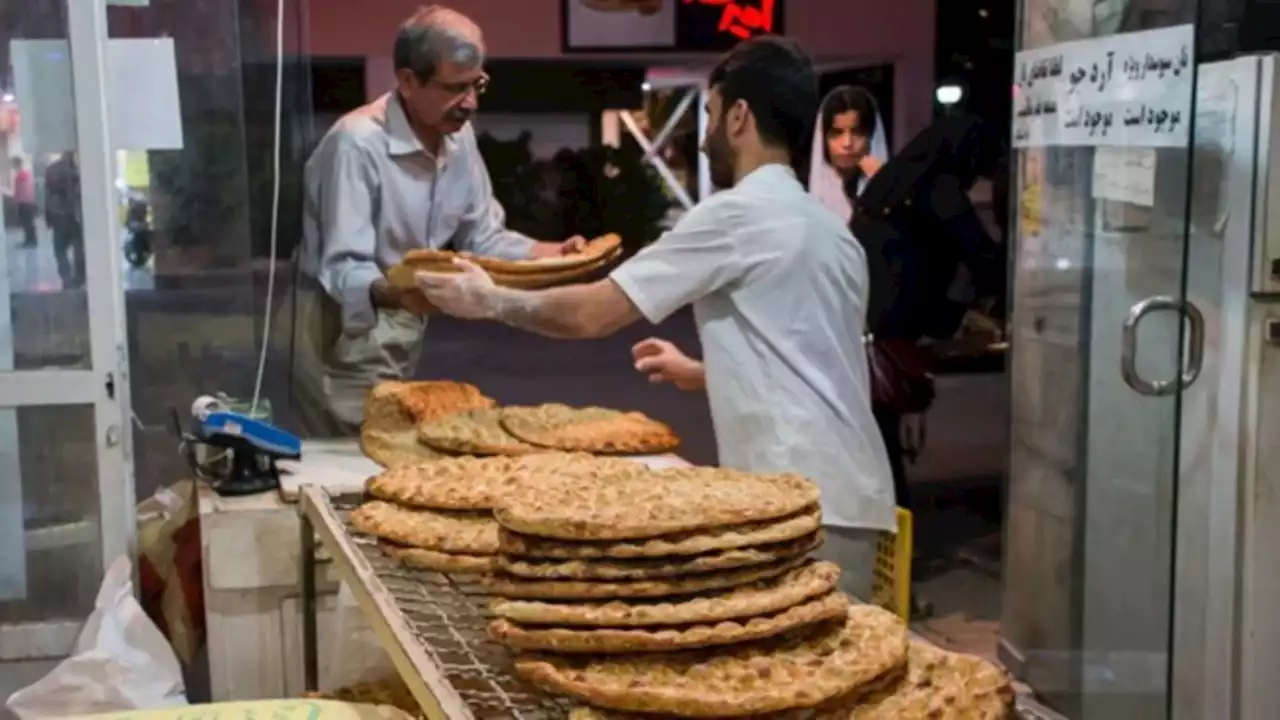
(458, 116)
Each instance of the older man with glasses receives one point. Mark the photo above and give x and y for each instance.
(400, 173)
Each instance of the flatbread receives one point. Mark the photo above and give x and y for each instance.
(513, 587)
(390, 691)
(533, 638)
(938, 684)
(476, 432)
(590, 713)
(533, 281)
(697, 542)
(435, 561)
(761, 598)
(589, 429)
(398, 405)
(596, 249)
(452, 532)
(653, 503)
(478, 483)
(542, 272)
(798, 670)
(396, 448)
(656, 568)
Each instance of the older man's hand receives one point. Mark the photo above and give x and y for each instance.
(469, 294)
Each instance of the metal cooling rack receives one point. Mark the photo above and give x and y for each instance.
(432, 625)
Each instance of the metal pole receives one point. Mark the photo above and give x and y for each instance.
(310, 651)
(665, 172)
(704, 168)
(660, 140)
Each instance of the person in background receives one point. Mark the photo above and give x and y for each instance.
(62, 213)
(777, 285)
(24, 196)
(928, 252)
(849, 147)
(400, 173)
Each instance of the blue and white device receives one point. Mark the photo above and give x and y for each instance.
(254, 447)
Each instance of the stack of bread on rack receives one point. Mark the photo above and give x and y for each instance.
(451, 453)
(409, 423)
(689, 593)
(678, 592)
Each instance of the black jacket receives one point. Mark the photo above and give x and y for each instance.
(918, 229)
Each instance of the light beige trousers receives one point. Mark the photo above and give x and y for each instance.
(854, 550)
(333, 371)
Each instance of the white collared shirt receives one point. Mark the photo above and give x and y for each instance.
(374, 193)
(779, 291)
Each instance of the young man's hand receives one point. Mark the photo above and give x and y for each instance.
(572, 246)
(663, 362)
(468, 294)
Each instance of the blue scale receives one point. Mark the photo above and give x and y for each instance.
(254, 447)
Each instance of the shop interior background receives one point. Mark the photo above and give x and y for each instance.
(196, 305)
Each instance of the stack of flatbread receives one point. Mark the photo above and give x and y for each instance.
(689, 592)
(438, 516)
(527, 274)
(394, 410)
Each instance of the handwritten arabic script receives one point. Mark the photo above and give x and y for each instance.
(743, 20)
(1132, 89)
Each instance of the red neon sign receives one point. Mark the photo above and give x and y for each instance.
(742, 19)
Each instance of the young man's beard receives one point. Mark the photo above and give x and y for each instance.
(720, 159)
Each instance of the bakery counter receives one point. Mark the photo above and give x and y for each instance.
(250, 575)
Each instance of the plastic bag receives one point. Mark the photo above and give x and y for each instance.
(361, 657)
(120, 661)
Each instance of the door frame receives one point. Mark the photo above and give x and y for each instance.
(106, 384)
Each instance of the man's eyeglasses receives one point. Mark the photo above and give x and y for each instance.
(479, 85)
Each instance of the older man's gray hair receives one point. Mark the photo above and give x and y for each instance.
(436, 34)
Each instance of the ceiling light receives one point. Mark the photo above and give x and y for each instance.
(948, 94)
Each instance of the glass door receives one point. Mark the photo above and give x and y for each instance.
(1103, 342)
(66, 495)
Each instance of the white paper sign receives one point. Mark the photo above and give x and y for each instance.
(1127, 90)
(1125, 175)
(142, 94)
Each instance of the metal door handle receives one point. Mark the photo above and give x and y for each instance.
(1129, 346)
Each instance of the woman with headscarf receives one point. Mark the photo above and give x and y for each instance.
(928, 257)
(848, 148)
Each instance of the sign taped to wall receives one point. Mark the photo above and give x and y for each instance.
(1127, 90)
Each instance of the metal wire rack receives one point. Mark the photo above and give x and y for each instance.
(433, 625)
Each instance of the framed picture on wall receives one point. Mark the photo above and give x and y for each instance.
(611, 25)
(685, 26)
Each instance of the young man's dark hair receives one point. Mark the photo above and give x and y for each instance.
(778, 81)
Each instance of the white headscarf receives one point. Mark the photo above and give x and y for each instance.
(824, 180)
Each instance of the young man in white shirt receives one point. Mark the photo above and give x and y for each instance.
(778, 287)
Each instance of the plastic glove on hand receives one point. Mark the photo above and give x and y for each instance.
(470, 294)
